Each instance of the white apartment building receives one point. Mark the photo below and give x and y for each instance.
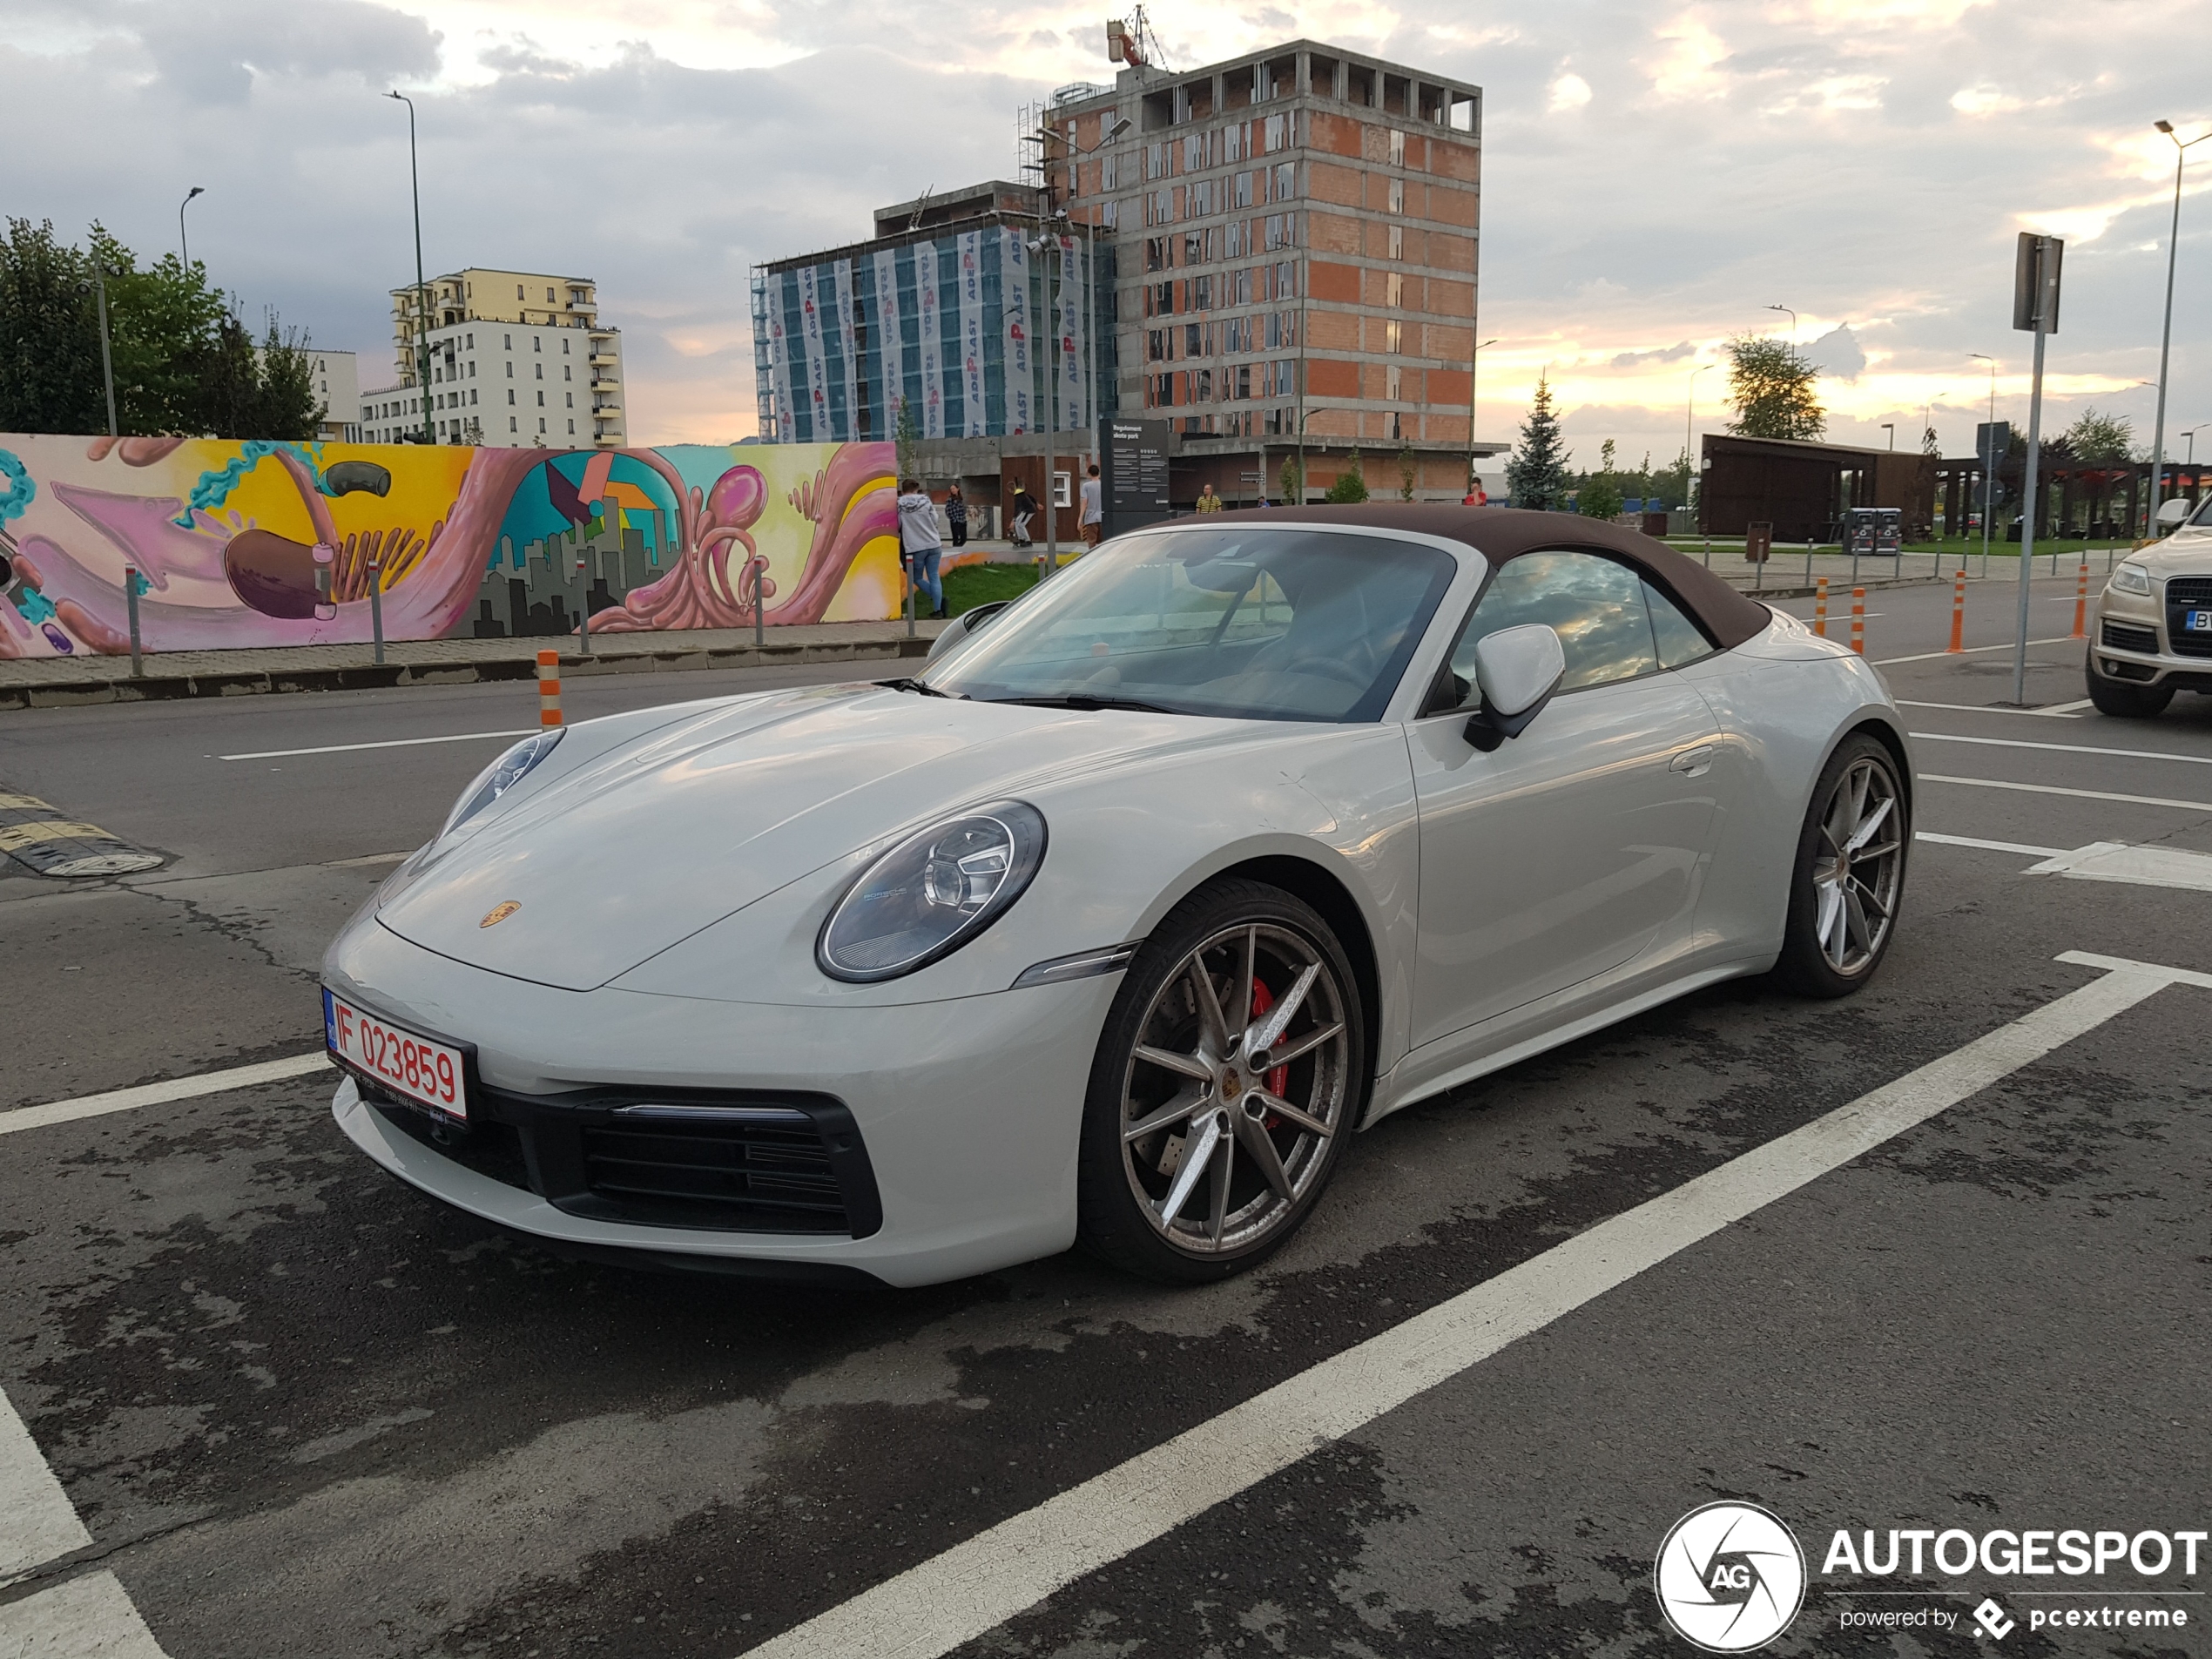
(536, 370)
(337, 383)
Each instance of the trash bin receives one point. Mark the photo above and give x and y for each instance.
(1758, 542)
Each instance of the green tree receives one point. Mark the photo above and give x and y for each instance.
(1291, 481)
(162, 323)
(1536, 476)
(2102, 440)
(906, 433)
(1770, 385)
(50, 338)
(1600, 498)
(1407, 471)
(1351, 485)
(257, 392)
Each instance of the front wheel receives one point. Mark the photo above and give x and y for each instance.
(2121, 699)
(1230, 1070)
(1850, 872)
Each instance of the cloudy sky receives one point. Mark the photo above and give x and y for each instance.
(1656, 176)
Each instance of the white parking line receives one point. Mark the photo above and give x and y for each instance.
(2077, 794)
(1989, 846)
(38, 1522)
(976, 1586)
(2140, 866)
(86, 1618)
(124, 1100)
(1932, 655)
(2064, 711)
(389, 742)
(2064, 748)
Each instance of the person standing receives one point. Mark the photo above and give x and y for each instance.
(956, 514)
(1208, 502)
(919, 546)
(1094, 520)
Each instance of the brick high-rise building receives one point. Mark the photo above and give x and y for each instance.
(1296, 235)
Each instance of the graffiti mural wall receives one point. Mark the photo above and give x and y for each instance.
(258, 544)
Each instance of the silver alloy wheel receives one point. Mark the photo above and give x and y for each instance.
(1857, 866)
(1236, 1085)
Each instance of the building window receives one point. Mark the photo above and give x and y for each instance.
(537, 342)
(549, 296)
(512, 425)
(508, 340)
(510, 371)
(541, 423)
(1154, 161)
(1156, 345)
(1155, 253)
(572, 429)
(1396, 241)
(537, 371)
(510, 397)
(541, 400)
(1393, 383)
(1398, 195)
(1397, 149)
(1393, 336)
(565, 348)
(1202, 293)
(571, 399)
(1108, 174)
(1240, 190)
(519, 294)
(568, 374)
(1393, 289)
(1286, 180)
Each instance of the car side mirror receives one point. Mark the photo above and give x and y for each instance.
(2171, 513)
(1518, 670)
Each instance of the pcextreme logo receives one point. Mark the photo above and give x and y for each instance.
(1730, 1577)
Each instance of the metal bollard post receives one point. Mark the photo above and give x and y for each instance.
(759, 621)
(130, 580)
(1854, 563)
(584, 601)
(910, 601)
(1859, 620)
(1820, 610)
(548, 688)
(1808, 558)
(376, 602)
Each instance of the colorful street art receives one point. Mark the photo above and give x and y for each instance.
(258, 544)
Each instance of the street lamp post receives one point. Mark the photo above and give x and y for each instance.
(1474, 357)
(2166, 336)
(181, 241)
(107, 357)
(1890, 427)
(1793, 321)
(421, 289)
(1689, 419)
(1988, 465)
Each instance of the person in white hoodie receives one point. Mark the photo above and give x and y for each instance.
(920, 545)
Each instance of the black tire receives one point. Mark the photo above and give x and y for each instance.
(2122, 699)
(1832, 953)
(1125, 1184)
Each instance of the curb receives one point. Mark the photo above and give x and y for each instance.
(161, 688)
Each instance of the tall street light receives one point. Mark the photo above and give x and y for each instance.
(2166, 337)
(421, 289)
(107, 357)
(1890, 427)
(1988, 461)
(1688, 416)
(195, 190)
(1473, 358)
(1793, 321)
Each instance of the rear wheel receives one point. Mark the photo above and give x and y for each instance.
(1850, 872)
(2119, 698)
(1231, 1071)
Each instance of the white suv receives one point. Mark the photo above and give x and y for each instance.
(2152, 633)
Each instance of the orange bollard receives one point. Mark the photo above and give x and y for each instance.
(548, 688)
(1859, 620)
(2081, 607)
(1957, 613)
(1820, 607)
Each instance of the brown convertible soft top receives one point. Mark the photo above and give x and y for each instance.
(1502, 533)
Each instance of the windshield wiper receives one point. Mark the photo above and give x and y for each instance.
(907, 683)
(1081, 700)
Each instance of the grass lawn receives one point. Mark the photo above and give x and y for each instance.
(982, 584)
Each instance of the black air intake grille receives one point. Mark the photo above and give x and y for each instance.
(2192, 591)
(2122, 636)
(2183, 594)
(760, 1169)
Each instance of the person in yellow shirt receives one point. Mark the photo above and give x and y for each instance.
(1208, 502)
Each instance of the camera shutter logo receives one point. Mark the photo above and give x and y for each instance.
(1730, 1577)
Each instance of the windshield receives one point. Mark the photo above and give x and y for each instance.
(1249, 623)
(2203, 513)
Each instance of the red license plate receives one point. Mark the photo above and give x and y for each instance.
(408, 1064)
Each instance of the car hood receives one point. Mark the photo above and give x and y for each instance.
(2188, 551)
(626, 852)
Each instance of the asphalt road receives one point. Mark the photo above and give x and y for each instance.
(303, 1411)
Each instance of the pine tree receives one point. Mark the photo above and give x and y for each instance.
(1536, 476)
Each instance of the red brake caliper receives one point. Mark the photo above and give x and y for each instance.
(1280, 1078)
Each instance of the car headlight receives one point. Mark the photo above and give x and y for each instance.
(932, 892)
(2131, 578)
(501, 776)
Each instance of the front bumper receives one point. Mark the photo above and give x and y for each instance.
(2132, 638)
(966, 1113)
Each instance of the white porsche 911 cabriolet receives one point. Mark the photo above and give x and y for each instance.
(1115, 922)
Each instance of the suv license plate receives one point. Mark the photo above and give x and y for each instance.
(426, 1072)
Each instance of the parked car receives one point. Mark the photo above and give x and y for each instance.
(2152, 633)
(1118, 920)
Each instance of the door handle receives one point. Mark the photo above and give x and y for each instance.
(1692, 763)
